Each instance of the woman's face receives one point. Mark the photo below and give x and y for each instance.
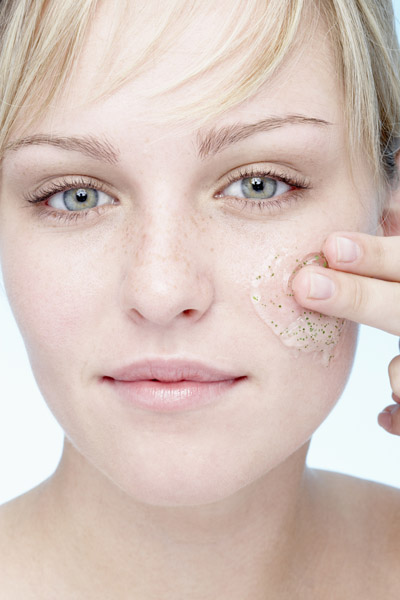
(168, 266)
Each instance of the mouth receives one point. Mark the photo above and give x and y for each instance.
(171, 385)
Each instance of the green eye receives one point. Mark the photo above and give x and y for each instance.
(258, 187)
(80, 198)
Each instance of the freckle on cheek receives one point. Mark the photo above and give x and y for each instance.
(297, 327)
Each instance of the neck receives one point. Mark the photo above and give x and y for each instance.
(235, 548)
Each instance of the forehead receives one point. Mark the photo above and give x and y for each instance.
(193, 70)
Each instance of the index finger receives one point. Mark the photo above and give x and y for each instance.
(364, 254)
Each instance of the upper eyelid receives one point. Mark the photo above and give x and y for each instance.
(254, 170)
(51, 188)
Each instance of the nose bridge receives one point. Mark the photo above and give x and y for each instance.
(166, 275)
(167, 240)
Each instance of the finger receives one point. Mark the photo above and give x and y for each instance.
(396, 398)
(394, 377)
(362, 299)
(389, 419)
(364, 254)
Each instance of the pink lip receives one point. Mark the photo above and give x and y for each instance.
(180, 385)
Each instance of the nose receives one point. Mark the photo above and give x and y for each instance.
(166, 277)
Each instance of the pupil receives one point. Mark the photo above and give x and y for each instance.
(81, 196)
(257, 184)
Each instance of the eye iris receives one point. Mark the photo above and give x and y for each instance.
(81, 198)
(255, 187)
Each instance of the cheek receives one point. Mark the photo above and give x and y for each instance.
(302, 359)
(56, 298)
(296, 327)
(264, 276)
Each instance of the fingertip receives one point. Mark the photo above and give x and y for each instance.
(385, 420)
(389, 419)
(301, 286)
(329, 248)
(342, 250)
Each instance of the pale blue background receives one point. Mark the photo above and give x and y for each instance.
(349, 441)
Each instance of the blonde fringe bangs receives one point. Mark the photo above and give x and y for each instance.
(255, 36)
(41, 43)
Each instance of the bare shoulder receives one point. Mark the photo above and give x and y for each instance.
(349, 482)
(366, 497)
(16, 516)
(20, 547)
(364, 517)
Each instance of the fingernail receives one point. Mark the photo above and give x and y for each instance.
(321, 287)
(346, 250)
(385, 420)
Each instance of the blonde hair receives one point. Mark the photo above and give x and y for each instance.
(41, 41)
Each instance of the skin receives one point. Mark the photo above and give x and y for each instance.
(216, 502)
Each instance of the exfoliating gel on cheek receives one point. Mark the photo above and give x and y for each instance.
(297, 327)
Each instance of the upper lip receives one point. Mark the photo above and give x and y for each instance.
(170, 370)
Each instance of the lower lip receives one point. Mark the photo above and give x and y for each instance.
(159, 396)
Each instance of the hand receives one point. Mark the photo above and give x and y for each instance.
(362, 284)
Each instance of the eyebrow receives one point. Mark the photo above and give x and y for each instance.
(94, 147)
(208, 144)
(216, 140)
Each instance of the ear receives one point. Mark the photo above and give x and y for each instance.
(390, 219)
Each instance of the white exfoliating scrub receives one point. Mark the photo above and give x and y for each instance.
(297, 327)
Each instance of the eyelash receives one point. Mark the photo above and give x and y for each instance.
(64, 185)
(270, 204)
(44, 194)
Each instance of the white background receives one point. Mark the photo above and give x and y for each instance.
(349, 441)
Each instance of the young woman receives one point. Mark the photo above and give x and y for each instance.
(199, 202)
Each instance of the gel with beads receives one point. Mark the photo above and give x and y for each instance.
(298, 328)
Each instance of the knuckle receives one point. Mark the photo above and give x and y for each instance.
(379, 254)
(357, 297)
